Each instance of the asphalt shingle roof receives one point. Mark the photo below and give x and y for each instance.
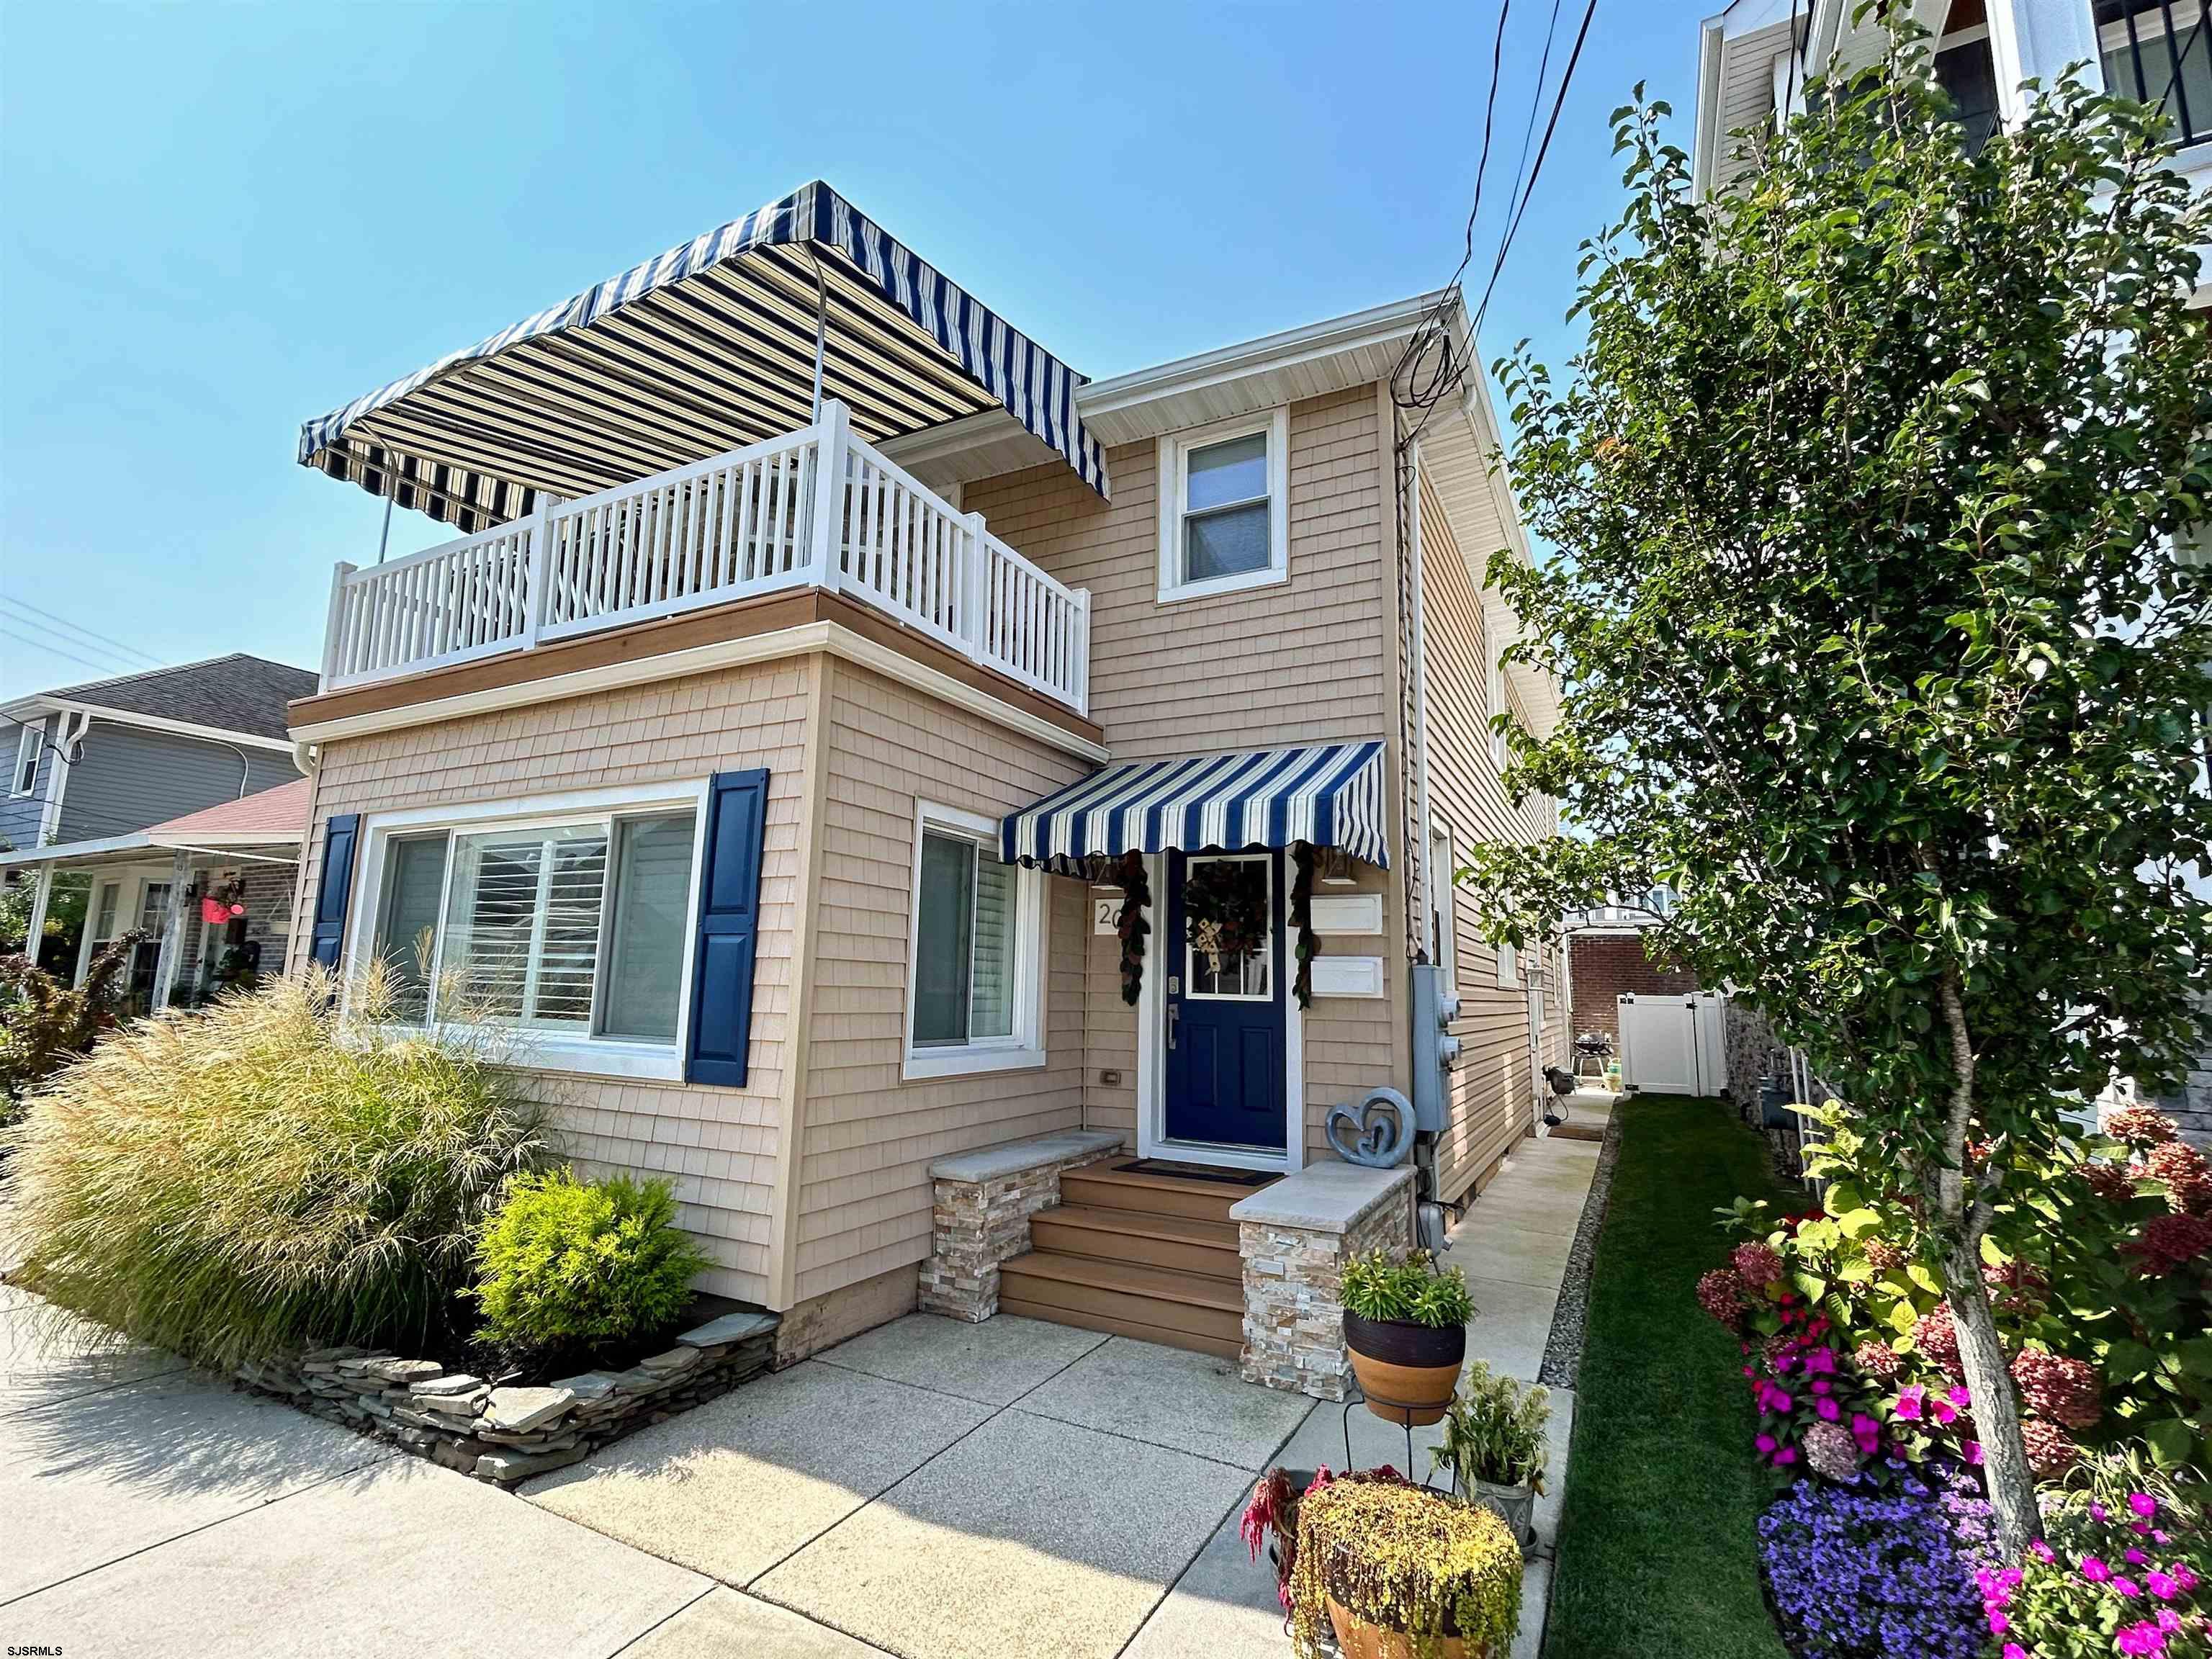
(236, 693)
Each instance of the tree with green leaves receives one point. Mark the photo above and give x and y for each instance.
(1873, 635)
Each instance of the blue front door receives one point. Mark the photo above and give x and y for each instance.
(1224, 1008)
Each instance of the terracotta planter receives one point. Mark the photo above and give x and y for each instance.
(1408, 1372)
(1360, 1640)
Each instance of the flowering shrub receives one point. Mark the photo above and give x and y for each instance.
(2123, 1569)
(1869, 1574)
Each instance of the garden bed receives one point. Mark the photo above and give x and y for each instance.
(506, 1432)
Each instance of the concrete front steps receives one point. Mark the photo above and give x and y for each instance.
(1149, 1256)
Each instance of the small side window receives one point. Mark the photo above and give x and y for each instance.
(25, 778)
(1223, 506)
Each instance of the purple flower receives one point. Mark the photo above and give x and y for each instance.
(2094, 1570)
(2143, 1503)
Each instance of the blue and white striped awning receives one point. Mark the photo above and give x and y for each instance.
(707, 347)
(1327, 794)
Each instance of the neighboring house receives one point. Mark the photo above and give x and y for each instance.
(1755, 55)
(1606, 960)
(1753, 61)
(773, 771)
(99, 773)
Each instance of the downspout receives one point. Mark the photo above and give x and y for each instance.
(1420, 689)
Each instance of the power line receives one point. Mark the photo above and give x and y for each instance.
(1566, 80)
(1535, 102)
(1431, 333)
(55, 651)
(97, 639)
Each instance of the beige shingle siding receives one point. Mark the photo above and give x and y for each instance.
(1490, 1091)
(1349, 1040)
(1299, 662)
(864, 1190)
(720, 1144)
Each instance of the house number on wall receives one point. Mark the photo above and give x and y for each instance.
(1106, 913)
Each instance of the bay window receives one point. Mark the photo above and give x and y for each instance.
(572, 928)
(973, 984)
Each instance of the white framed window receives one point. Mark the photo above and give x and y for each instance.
(1499, 754)
(569, 920)
(1444, 909)
(1225, 507)
(25, 777)
(1509, 968)
(975, 949)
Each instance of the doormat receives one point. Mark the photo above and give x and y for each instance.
(1161, 1166)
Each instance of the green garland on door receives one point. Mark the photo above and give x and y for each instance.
(1233, 911)
(1308, 945)
(1131, 925)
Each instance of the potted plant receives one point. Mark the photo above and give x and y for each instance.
(1406, 1323)
(1398, 1572)
(1494, 1444)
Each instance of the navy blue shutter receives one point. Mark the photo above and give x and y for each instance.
(729, 928)
(339, 834)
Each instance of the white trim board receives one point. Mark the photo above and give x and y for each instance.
(832, 637)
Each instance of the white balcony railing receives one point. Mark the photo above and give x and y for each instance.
(770, 517)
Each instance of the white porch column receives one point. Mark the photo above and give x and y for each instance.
(44, 892)
(173, 932)
(2037, 39)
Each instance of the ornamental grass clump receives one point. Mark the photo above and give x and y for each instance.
(582, 1265)
(243, 1182)
(1404, 1559)
(1494, 1432)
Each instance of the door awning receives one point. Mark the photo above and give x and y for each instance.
(1325, 794)
(704, 349)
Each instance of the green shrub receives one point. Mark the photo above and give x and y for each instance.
(241, 1182)
(1408, 1287)
(45, 1024)
(568, 1265)
(1494, 1431)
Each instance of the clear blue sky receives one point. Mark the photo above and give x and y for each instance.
(218, 220)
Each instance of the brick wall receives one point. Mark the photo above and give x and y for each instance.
(1608, 966)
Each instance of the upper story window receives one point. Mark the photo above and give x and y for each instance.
(972, 1001)
(25, 777)
(1443, 910)
(1223, 506)
(2159, 52)
(571, 927)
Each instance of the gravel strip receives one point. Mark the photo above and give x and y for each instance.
(1562, 1349)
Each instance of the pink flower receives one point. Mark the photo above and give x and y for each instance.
(1959, 1395)
(2145, 1637)
(2094, 1570)
(1908, 1402)
(1999, 1624)
(2143, 1503)
(2168, 1619)
(2041, 1551)
(1828, 1409)
(1788, 1454)
(1765, 1443)
(1972, 1451)
(2127, 1587)
(2137, 1557)
(2161, 1584)
(1866, 1431)
(2014, 1650)
(1945, 1413)
(2184, 1576)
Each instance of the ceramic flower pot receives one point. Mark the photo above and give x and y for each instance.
(1517, 1505)
(1358, 1639)
(1408, 1372)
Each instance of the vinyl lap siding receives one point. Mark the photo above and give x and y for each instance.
(19, 815)
(869, 1136)
(1299, 662)
(128, 778)
(1491, 1089)
(718, 1144)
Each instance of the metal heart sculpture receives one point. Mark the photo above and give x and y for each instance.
(1379, 1134)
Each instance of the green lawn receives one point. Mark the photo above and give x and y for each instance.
(1657, 1550)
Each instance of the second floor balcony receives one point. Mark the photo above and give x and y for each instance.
(691, 438)
(818, 507)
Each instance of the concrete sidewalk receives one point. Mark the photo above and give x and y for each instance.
(931, 1489)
